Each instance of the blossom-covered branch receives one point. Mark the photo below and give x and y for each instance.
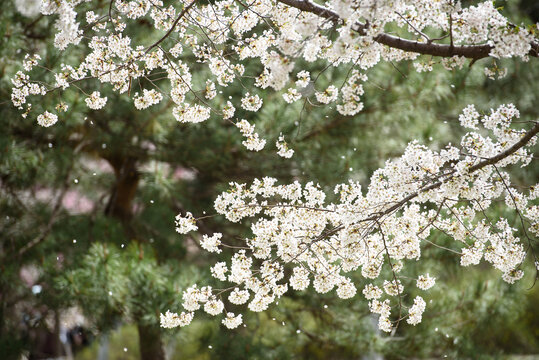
(429, 47)
(383, 228)
(222, 35)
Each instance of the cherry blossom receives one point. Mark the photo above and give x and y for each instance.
(384, 226)
(277, 35)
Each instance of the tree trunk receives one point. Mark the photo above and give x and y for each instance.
(103, 350)
(120, 206)
(120, 203)
(151, 347)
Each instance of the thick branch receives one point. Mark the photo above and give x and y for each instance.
(490, 161)
(517, 146)
(475, 52)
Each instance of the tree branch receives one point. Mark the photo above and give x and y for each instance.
(474, 52)
(178, 18)
(490, 161)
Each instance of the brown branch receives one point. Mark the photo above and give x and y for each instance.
(517, 146)
(474, 52)
(490, 161)
(178, 18)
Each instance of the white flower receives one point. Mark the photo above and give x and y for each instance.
(231, 321)
(20, 79)
(291, 95)
(191, 113)
(289, 222)
(372, 292)
(495, 72)
(240, 270)
(303, 79)
(260, 303)
(30, 61)
(228, 110)
(176, 50)
(91, 17)
(95, 102)
(148, 98)
(454, 62)
(211, 243)
(329, 95)
(219, 270)
(393, 288)
(300, 278)
(252, 141)
(62, 106)
(425, 282)
(416, 311)
(384, 324)
(282, 146)
(214, 307)
(469, 117)
(172, 320)
(346, 290)
(251, 102)
(193, 296)
(323, 283)
(512, 276)
(211, 92)
(423, 66)
(383, 308)
(293, 223)
(238, 296)
(47, 119)
(185, 224)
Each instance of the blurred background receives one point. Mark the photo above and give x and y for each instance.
(88, 252)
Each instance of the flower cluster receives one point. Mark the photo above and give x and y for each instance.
(351, 92)
(148, 98)
(251, 102)
(416, 311)
(171, 320)
(252, 141)
(327, 96)
(185, 224)
(425, 282)
(282, 146)
(291, 95)
(211, 243)
(191, 113)
(95, 101)
(228, 111)
(231, 321)
(47, 119)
